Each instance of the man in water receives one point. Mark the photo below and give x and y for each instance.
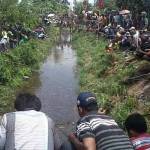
(27, 128)
(97, 131)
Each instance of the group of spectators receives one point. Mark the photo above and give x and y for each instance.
(29, 129)
(13, 35)
(122, 31)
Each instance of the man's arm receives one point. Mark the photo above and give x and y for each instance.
(85, 137)
(148, 53)
(74, 140)
(87, 144)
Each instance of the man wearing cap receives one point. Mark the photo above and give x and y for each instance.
(97, 131)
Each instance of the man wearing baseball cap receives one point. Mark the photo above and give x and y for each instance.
(96, 131)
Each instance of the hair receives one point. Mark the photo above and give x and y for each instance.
(91, 107)
(137, 123)
(27, 101)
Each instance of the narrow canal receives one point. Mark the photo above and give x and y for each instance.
(56, 83)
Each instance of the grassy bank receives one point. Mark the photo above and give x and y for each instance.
(18, 64)
(103, 74)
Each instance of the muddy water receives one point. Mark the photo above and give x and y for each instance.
(56, 83)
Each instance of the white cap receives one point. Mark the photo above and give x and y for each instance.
(132, 28)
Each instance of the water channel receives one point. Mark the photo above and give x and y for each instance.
(56, 84)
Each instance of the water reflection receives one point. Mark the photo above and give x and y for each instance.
(57, 84)
(64, 40)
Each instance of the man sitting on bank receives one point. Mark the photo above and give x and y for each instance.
(97, 131)
(27, 128)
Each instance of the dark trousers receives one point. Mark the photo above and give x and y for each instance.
(67, 146)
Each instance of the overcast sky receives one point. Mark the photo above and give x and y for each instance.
(91, 1)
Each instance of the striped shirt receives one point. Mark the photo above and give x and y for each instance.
(104, 129)
(142, 142)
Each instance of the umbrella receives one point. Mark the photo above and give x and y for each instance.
(123, 12)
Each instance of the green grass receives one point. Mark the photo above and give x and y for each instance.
(102, 73)
(19, 63)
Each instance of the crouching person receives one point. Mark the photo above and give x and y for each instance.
(97, 131)
(136, 127)
(27, 128)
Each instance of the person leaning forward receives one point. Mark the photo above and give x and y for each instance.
(27, 128)
(95, 131)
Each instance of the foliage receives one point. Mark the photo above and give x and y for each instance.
(110, 4)
(133, 5)
(50, 6)
(27, 11)
(12, 12)
(78, 8)
(19, 63)
(123, 109)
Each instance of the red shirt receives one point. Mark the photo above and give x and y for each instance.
(141, 142)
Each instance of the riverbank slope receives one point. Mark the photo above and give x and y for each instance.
(18, 65)
(110, 76)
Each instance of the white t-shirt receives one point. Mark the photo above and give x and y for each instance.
(136, 37)
(31, 131)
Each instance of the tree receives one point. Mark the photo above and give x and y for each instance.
(136, 6)
(133, 5)
(78, 7)
(5, 4)
(27, 11)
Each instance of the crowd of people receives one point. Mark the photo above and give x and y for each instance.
(13, 35)
(122, 30)
(30, 129)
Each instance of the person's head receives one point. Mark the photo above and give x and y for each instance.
(135, 125)
(27, 101)
(128, 34)
(86, 102)
(102, 15)
(132, 30)
(143, 14)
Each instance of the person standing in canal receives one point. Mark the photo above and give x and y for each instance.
(96, 131)
(27, 128)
